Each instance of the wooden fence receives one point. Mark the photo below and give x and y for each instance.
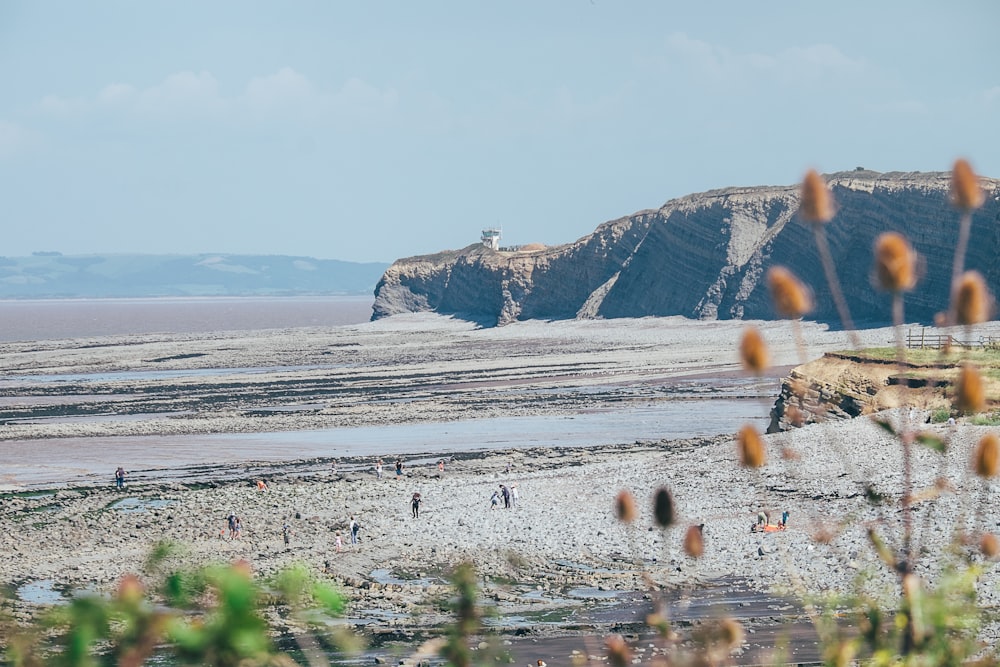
(922, 340)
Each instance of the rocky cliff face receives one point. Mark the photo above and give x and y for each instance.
(704, 256)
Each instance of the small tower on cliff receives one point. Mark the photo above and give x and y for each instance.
(491, 238)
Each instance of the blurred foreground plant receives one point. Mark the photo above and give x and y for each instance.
(209, 616)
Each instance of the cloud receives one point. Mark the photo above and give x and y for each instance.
(182, 94)
(289, 93)
(63, 106)
(813, 63)
(285, 94)
(14, 139)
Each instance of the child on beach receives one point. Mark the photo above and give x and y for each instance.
(340, 542)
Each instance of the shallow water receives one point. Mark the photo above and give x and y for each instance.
(74, 461)
(39, 592)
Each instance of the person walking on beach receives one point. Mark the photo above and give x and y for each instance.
(231, 522)
(415, 505)
(340, 542)
(513, 494)
(355, 527)
(505, 492)
(399, 468)
(441, 465)
(120, 477)
(238, 528)
(494, 499)
(286, 533)
(378, 469)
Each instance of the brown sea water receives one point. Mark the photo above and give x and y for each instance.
(52, 319)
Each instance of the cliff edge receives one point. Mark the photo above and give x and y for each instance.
(703, 256)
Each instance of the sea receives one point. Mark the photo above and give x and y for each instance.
(54, 319)
(73, 461)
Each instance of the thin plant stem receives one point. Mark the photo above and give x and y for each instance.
(964, 229)
(906, 436)
(830, 269)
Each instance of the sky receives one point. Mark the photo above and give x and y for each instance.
(375, 130)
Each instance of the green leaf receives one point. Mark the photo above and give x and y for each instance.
(331, 599)
(886, 426)
(932, 441)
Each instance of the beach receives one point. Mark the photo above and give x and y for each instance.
(560, 548)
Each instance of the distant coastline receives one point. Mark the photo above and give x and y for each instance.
(62, 318)
(51, 275)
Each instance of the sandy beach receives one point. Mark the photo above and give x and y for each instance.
(560, 548)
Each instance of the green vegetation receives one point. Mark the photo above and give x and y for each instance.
(940, 415)
(987, 359)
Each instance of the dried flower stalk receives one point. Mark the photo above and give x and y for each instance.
(986, 460)
(895, 263)
(817, 203)
(751, 447)
(625, 507)
(694, 542)
(973, 303)
(966, 194)
(753, 351)
(790, 297)
(663, 508)
(970, 396)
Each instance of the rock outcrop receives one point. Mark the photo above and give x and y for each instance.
(703, 256)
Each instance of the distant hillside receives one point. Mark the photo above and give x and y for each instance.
(51, 275)
(704, 256)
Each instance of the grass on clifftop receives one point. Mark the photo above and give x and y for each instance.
(987, 359)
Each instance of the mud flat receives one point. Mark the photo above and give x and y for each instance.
(547, 563)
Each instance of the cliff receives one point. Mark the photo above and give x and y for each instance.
(703, 256)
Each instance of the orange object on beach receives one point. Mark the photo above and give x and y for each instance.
(772, 529)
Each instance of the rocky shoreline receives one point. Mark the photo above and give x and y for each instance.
(546, 564)
(560, 550)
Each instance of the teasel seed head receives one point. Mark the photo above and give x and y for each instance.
(989, 545)
(789, 454)
(973, 302)
(625, 507)
(694, 542)
(817, 202)
(970, 396)
(732, 632)
(130, 589)
(658, 622)
(753, 351)
(986, 460)
(663, 508)
(966, 194)
(895, 263)
(619, 654)
(790, 297)
(751, 447)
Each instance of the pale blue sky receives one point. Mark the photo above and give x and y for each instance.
(369, 131)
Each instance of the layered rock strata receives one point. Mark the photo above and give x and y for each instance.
(704, 256)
